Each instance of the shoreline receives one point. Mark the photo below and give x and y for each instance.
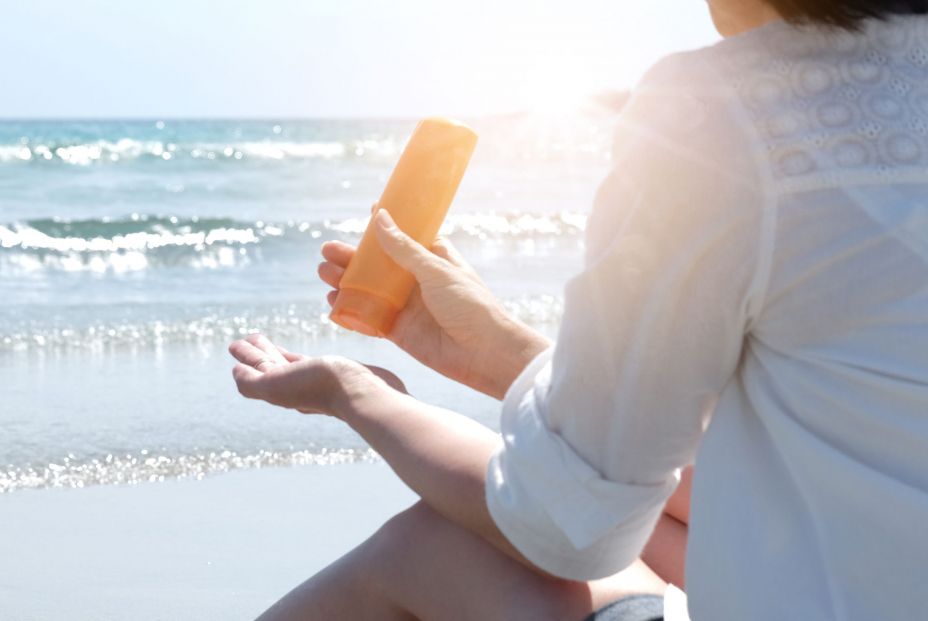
(226, 547)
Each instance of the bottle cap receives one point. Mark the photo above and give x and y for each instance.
(363, 312)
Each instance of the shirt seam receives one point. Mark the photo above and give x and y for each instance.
(836, 181)
(760, 281)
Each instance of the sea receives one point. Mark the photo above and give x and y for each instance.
(133, 252)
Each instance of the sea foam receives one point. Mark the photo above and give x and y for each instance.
(147, 466)
(143, 242)
(128, 150)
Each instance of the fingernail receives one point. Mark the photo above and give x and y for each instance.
(384, 220)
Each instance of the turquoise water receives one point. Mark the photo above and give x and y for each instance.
(131, 253)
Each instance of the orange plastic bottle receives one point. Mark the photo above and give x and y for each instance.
(420, 190)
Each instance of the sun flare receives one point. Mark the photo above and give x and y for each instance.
(558, 87)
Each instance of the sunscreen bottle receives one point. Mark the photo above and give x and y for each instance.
(373, 288)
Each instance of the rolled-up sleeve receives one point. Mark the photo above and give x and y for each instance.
(596, 429)
(553, 506)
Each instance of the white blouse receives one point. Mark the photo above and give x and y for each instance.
(755, 300)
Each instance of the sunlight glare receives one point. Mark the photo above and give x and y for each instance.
(558, 87)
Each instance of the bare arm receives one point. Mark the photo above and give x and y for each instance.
(441, 455)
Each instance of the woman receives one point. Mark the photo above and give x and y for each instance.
(755, 301)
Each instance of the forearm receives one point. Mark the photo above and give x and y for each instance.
(440, 455)
(505, 355)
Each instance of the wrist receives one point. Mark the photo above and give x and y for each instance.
(359, 393)
(519, 345)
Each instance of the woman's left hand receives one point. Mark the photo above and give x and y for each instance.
(323, 385)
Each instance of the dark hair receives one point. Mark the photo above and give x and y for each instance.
(845, 13)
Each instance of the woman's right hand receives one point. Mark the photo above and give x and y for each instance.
(452, 322)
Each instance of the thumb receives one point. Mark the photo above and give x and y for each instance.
(404, 250)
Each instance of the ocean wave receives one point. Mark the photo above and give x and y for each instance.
(129, 149)
(151, 466)
(219, 326)
(141, 242)
(127, 245)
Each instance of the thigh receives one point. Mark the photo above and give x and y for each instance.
(439, 571)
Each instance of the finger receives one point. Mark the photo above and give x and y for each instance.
(330, 297)
(338, 252)
(261, 342)
(331, 274)
(443, 248)
(247, 353)
(374, 208)
(407, 252)
(289, 355)
(446, 250)
(247, 380)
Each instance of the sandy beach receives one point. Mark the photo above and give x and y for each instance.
(222, 548)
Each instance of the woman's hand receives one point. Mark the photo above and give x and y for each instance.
(326, 385)
(452, 322)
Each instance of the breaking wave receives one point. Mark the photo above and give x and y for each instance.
(141, 242)
(129, 149)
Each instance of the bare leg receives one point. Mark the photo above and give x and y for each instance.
(666, 551)
(419, 565)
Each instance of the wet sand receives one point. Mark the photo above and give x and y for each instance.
(226, 547)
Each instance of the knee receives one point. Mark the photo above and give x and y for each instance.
(389, 549)
(404, 549)
(405, 529)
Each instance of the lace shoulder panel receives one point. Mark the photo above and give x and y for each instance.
(836, 108)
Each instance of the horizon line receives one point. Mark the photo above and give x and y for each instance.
(614, 98)
(168, 118)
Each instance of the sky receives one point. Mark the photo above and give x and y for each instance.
(328, 58)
